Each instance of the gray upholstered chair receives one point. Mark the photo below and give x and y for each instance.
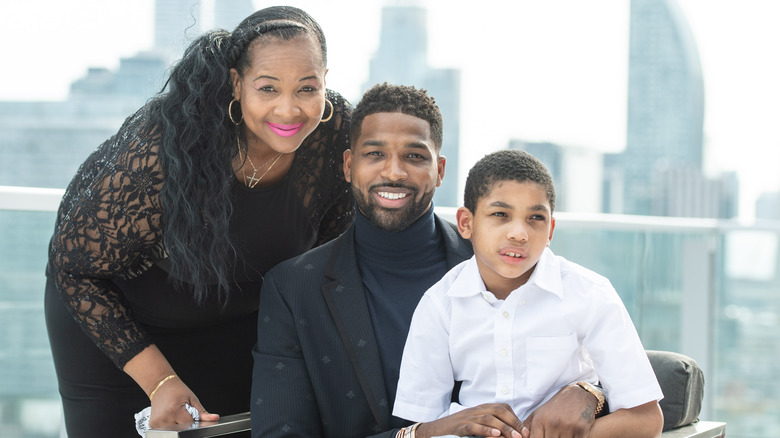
(682, 383)
(680, 377)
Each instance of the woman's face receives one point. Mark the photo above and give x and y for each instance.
(282, 93)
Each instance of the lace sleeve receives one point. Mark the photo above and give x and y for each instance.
(109, 225)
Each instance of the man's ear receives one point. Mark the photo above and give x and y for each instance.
(348, 165)
(464, 220)
(440, 167)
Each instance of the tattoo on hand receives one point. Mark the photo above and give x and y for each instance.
(588, 414)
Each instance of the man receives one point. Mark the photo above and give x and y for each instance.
(333, 321)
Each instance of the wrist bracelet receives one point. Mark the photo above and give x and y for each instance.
(151, 395)
(414, 430)
(408, 432)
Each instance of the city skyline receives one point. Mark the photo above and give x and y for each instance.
(703, 288)
(530, 73)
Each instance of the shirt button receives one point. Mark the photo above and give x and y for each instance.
(503, 352)
(522, 303)
(506, 315)
(505, 390)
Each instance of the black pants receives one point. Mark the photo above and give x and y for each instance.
(99, 400)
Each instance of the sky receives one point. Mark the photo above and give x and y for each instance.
(552, 70)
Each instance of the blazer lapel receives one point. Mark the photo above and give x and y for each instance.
(344, 295)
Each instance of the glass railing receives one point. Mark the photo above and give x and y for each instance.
(29, 402)
(706, 288)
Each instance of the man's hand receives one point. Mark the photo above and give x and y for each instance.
(488, 420)
(570, 413)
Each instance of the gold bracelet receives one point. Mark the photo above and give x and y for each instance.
(409, 432)
(160, 384)
(414, 430)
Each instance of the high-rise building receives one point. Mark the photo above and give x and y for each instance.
(176, 23)
(661, 168)
(228, 13)
(576, 173)
(768, 206)
(402, 59)
(686, 192)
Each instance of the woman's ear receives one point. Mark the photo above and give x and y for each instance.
(235, 79)
(464, 220)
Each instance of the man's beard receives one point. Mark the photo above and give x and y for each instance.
(393, 219)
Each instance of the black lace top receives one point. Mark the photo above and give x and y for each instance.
(108, 231)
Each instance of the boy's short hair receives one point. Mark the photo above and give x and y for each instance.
(386, 98)
(506, 165)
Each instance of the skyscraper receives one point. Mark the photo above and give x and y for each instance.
(576, 173)
(176, 22)
(768, 206)
(228, 13)
(402, 58)
(665, 115)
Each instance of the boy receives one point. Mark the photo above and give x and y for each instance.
(515, 323)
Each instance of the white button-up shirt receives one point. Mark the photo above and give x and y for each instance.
(566, 324)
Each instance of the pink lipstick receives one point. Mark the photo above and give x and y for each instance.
(285, 130)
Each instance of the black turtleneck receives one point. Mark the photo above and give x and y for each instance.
(397, 268)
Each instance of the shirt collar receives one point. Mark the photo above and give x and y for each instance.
(546, 277)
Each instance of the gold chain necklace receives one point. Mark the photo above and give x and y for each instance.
(252, 181)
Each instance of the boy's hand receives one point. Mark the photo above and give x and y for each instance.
(569, 413)
(488, 420)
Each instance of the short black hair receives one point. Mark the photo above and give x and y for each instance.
(506, 165)
(387, 98)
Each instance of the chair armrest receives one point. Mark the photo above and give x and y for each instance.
(682, 383)
(224, 426)
(699, 429)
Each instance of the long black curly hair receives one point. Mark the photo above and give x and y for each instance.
(197, 144)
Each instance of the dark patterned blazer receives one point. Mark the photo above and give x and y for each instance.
(316, 362)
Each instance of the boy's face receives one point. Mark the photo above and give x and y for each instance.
(394, 169)
(509, 230)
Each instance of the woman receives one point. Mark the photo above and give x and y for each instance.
(164, 234)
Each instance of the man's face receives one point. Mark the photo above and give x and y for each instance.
(394, 169)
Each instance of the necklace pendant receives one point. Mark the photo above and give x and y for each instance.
(251, 181)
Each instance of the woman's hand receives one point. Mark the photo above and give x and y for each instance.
(488, 420)
(168, 405)
(168, 394)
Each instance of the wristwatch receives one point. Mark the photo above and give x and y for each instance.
(596, 393)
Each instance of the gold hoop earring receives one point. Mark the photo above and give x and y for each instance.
(331, 111)
(230, 112)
